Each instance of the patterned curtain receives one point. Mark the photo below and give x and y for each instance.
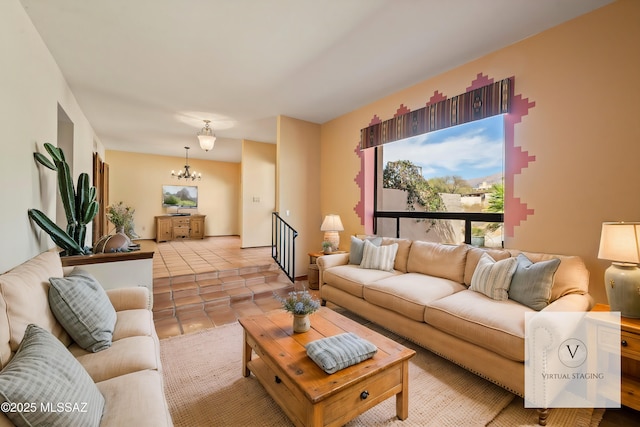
(487, 101)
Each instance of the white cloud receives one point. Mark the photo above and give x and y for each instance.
(449, 154)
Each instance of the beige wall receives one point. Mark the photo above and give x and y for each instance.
(583, 132)
(298, 185)
(137, 179)
(32, 87)
(258, 199)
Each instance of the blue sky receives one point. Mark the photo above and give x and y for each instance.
(472, 150)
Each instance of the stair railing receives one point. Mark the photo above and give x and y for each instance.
(283, 245)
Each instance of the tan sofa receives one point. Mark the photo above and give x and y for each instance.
(128, 374)
(426, 298)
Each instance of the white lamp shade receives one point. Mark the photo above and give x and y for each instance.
(332, 223)
(207, 141)
(620, 242)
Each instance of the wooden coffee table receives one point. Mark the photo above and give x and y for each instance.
(308, 395)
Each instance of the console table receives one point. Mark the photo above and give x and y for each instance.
(172, 227)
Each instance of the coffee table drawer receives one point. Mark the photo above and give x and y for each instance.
(348, 404)
(293, 406)
(336, 410)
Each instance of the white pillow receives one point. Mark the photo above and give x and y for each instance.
(379, 257)
(493, 278)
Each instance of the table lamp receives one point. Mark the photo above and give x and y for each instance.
(620, 243)
(331, 225)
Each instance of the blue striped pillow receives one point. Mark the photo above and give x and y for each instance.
(43, 375)
(83, 309)
(340, 351)
(493, 278)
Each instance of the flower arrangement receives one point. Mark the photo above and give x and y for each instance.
(122, 217)
(299, 302)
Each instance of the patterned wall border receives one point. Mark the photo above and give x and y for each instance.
(516, 160)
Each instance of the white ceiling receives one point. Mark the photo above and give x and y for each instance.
(147, 72)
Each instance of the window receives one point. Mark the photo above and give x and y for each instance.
(444, 186)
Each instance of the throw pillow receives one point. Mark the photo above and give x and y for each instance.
(357, 248)
(493, 278)
(379, 257)
(46, 385)
(340, 351)
(532, 282)
(83, 309)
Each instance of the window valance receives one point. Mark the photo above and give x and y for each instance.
(486, 101)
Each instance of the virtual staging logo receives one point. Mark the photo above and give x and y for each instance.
(572, 353)
(572, 360)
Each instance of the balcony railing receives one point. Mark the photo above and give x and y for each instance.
(283, 245)
(467, 217)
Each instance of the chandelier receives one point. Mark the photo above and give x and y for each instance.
(186, 174)
(206, 136)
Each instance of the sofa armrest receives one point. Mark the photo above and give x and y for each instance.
(545, 332)
(328, 261)
(570, 302)
(129, 298)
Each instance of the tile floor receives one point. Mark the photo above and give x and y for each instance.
(199, 284)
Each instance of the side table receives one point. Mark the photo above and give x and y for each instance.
(313, 268)
(630, 359)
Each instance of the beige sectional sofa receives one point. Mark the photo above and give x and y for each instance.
(426, 298)
(127, 374)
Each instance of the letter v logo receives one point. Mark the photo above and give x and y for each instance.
(572, 353)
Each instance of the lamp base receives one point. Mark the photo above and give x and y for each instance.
(334, 238)
(622, 283)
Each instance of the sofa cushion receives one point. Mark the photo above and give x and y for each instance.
(404, 247)
(497, 326)
(43, 372)
(82, 307)
(409, 293)
(123, 357)
(493, 278)
(531, 283)
(435, 259)
(351, 278)
(379, 257)
(24, 292)
(134, 323)
(135, 399)
(357, 248)
(572, 276)
(473, 256)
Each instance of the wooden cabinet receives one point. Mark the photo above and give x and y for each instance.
(164, 229)
(170, 227)
(629, 359)
(197, 227)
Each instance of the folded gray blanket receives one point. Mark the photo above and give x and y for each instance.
(340, 351)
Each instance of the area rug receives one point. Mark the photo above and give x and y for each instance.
(205, 387)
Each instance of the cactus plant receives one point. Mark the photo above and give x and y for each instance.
(80, 207)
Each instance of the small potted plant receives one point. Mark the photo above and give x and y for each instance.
(327, 247)
(301, 304)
